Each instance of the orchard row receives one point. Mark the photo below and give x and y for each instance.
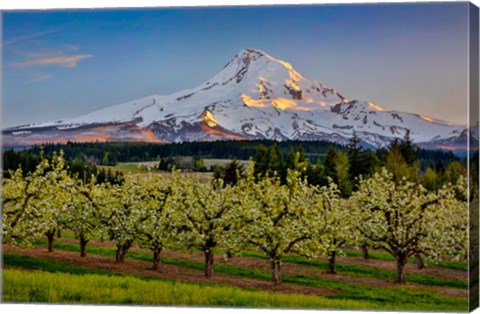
(156, 211)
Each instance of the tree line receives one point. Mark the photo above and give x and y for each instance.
(111, 153)
(85, 171)
(346, 166)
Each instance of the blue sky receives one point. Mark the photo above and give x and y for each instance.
(407, 57)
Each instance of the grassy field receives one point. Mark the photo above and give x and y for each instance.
(54, 282)
(40, 286)
(34, 279)
(146, 166)
(134, 169)
(387, 257)
(223, 162)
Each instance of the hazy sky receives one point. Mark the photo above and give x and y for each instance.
(406, 57)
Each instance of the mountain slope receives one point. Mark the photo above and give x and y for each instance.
(254, 96)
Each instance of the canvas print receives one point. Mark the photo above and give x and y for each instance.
(305, 156)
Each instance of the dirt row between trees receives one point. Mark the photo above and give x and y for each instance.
(430, 270)
(166, 271)
(141, 268)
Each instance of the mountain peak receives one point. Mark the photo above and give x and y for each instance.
(245, 57)
(255, 64)
(251, 52)
(249, 55)
(255, 96)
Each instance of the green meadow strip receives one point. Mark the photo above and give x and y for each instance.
(38, 286)
(31, 263)
(387, 257)
(392, 297)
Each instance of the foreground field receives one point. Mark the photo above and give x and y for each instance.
(34, 275)
(39, 286)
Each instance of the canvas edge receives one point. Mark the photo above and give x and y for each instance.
(473, 125)
(473, 120)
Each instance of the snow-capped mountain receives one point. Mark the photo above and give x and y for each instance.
(255, 96)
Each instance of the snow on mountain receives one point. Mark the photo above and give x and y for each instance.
(255, 96)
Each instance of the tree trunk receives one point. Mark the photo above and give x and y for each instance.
(365, 252)
(401, 278)
(208, 263)
(331, 262)
(118, 254)
(122, 251)
(419, 261)
(276, 272)
(83, 246)
(59, 233)
(156, 258)
(50, 236)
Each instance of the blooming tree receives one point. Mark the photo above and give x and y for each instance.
(338, 222)
(83, 216)
(153, 215)
(117, 206)
(281, 218)
(204, 215)
(35, 205)
(405, 219)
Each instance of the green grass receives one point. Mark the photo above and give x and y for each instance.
(127, 168)
(31, 263)
(67, 234)
(350, 270)
(375, 255)
(396, 297)
(65, 283)
(38, 286)
(383, 256)
(353, 270)
(388, 257)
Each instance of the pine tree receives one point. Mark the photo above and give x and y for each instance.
(370, 163)
(354, 157)
(275, 161)
(233, 172)
(408, 149)
(329, 165)
(301, 154)
(290, 160)
(102, 176)
(260, 162)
